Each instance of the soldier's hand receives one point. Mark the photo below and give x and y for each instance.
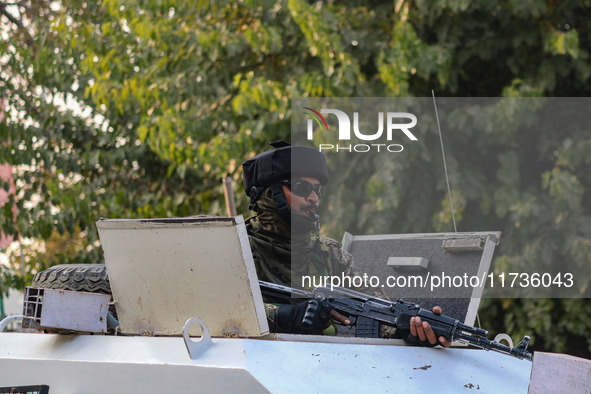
(337, 317)
(424, 332)
(307, 317)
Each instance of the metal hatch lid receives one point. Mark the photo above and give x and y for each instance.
(164, 271)
(428, 255)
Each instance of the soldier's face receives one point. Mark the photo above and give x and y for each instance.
(302, 204)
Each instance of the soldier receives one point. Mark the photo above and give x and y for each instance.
(285, 185)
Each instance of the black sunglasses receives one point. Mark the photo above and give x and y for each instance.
(302, 188)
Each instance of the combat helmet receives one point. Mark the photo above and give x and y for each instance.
(281, 162)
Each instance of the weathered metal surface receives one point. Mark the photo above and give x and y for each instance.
(373, 255)
(78, 311)
(164, 271)
(108, 364)
(63, 309)
(560, 373)
(462, 244)
(350, 368)
(161, 364)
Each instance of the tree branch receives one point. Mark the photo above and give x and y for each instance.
(16, 21)
(9, 16)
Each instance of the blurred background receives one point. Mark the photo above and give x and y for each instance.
(136, 109)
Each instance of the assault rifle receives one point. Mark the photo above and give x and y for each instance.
(366, 313)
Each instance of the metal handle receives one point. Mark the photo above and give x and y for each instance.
(399, 262)
(505, 337)
(9, 319)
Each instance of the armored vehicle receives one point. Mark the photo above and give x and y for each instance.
(177, 307)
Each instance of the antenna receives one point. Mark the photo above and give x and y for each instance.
(453, 215)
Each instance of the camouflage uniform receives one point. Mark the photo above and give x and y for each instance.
(282, 256)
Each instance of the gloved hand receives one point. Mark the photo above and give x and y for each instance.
(308, 317)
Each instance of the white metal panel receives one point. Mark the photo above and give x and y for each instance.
(165, 271)
(291, 367)
(560, 373)
(91, 364)
(106, 364)
(75, 310)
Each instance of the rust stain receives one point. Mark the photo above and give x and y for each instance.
(232, 329)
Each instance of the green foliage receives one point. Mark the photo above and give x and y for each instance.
(139, 108)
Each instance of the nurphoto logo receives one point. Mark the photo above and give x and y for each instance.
(395, 124)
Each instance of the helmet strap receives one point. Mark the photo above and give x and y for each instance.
(281, 202)
(254, 194)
